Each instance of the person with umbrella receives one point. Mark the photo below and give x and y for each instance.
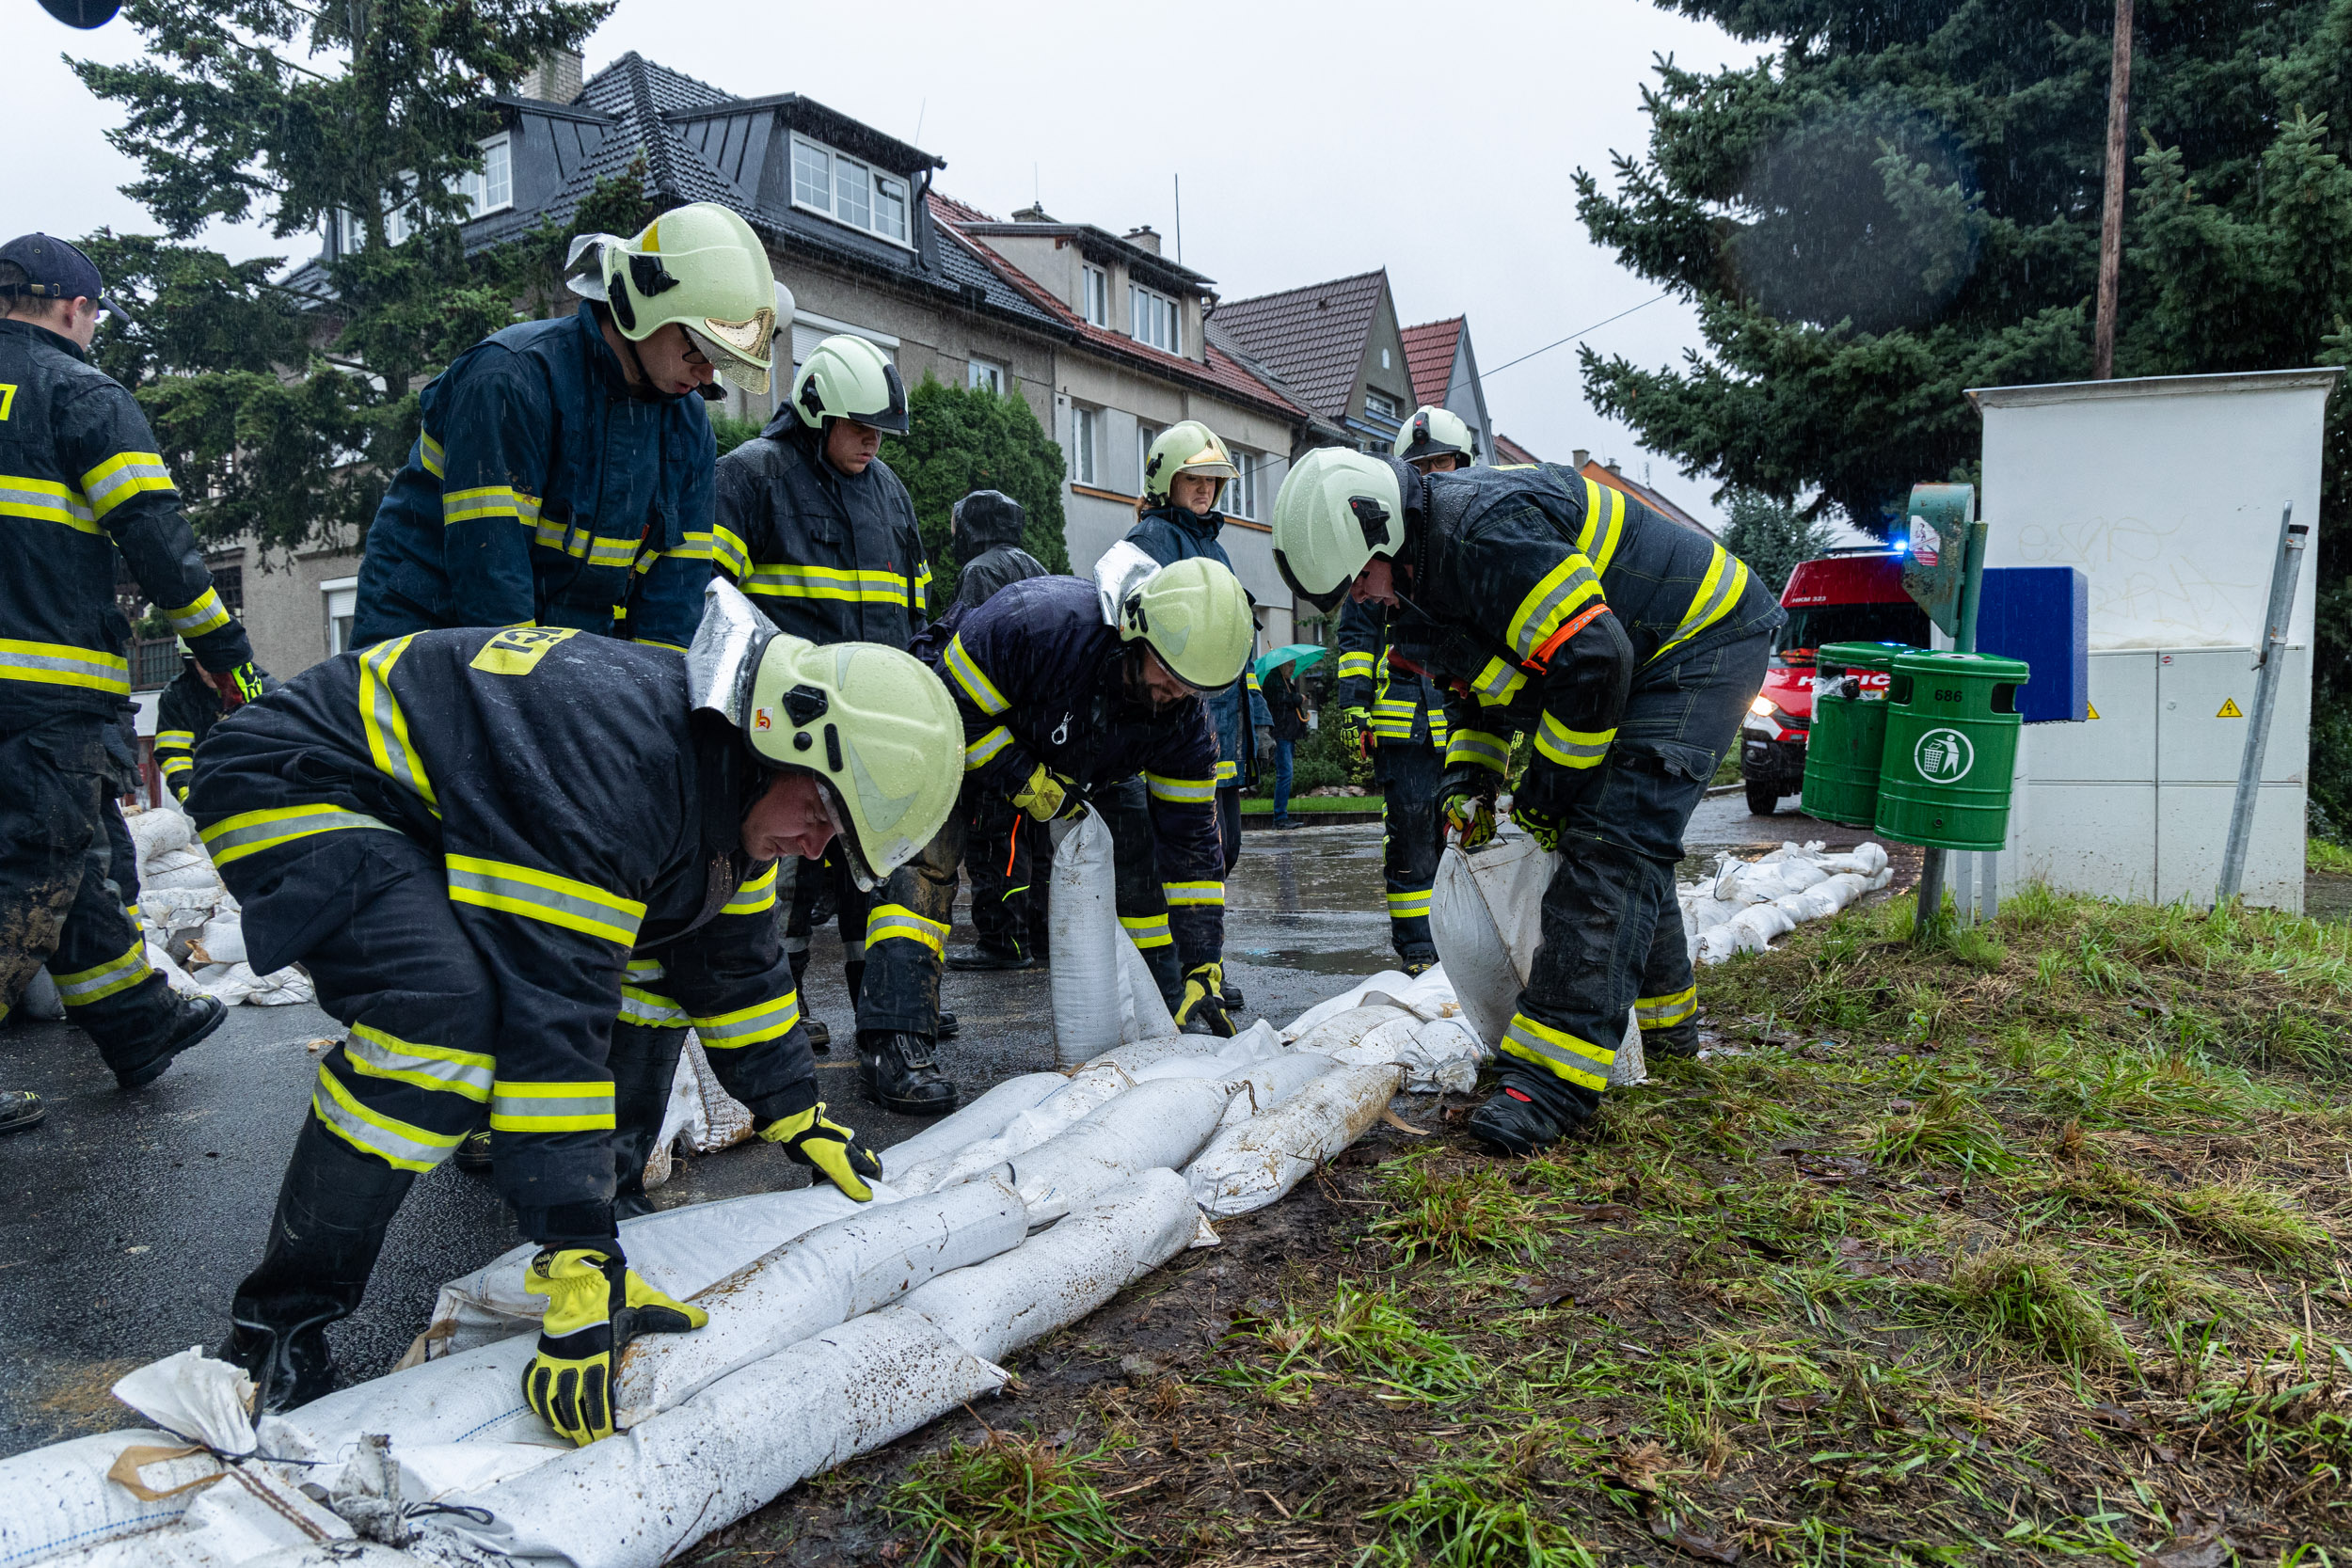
(1278, 679)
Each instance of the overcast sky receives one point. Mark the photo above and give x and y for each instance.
(1436, 140)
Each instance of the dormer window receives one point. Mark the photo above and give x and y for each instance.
(1094, 302)
(848, 190)
(1375, 404)
(1155, 319)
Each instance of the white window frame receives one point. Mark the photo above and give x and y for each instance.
(1086, 426)
(1095, 294)
(1241, 491)
(1145, 435)
(339, 598)
(875, 188)
(985, 373)
(1371, 402)
(1147, 311)
(498, 157)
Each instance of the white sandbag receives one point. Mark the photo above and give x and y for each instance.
(1060, 1275)
(155, 832)
(1444, 1059)
(1143, 1013)
(638, 1499)
(165, 964)
(1164, 1123)
(1382, 1042)
(1251, 1165)
(826, 1278)
(1799, 874)
(983, 1119)
(681, 1118)
(1083, 923)
(192, 1394)
(1390, 981)
(1343, 1030)
(39, 998)
(1806, 905)
(1027, 1129)
(185, 875)
(1142, 1054)
(1430, 996)
(1267, 1084)
(280, 987)
(726, 1120)
(223, 937)
(172, 908)
(57, 1499)
(1719, 945)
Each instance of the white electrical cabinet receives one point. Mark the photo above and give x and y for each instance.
(2165, 493)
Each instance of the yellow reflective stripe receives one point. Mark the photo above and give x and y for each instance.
(1409, 906)
(1188, 792)
(1664, 1012)
(489, 500)
(387, 726)
(551, 1107)
(1726, 579)
(174, 766)
(1147, 930)
(232, 838)
(378, 1054)
(1226, 772)
(61, 664)
(982, 751)
(1438, 728)
(1352, 666)
(538, 894)
(889, 921)
(1253, 682)
(1572, 748)
(650, 1009)
(1604, 524)
(975, 684)
(430, 451)
(115, 975)
(124, 475)
(696, 548)
(754, 895)
(728, 552)
(1497, 682)
(205, 613)
(782, 580)
(771, 1020)
(402, 1144)
(182, 739)
(1579, 1061)
(44, 500)
(1555, 596)
(647, 970)
(595, 549)
(1476, 746)
(1186, 894)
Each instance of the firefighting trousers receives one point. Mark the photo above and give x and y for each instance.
(808, 881)
(1137, 891)
(1613, 937)
(62, 848)
(906, 938)
(1411, 838)
(1010, 860)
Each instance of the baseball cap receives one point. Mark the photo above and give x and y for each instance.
(55, 269)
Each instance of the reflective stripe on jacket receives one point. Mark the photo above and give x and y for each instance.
(185, 715)
(1168, 535)
(829, 556)
(1404, 704)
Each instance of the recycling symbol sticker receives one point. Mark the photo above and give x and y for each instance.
(1944, 756)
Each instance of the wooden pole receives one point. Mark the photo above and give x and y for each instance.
(2111, 209)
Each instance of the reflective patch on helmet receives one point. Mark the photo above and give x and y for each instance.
(763, 718)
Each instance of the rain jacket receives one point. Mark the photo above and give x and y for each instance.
(1383, 661)
(1550, 590)
(1039, 677)
(990, 547)
(1168, 535)
(80, 479)
(583, 816)
(828, 555)
(185, 715)
(541, 491)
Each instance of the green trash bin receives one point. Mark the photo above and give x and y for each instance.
(1841, 754)
(1951, 747)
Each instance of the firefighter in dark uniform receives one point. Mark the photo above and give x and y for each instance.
(185, 715)
(1009, 866)
(84, 493)
(415, 824)
(1393, 710)
(821, 535)
(1628, 646)
(1068, 687)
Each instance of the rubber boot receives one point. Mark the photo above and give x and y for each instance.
(901, 1074)
(949, 1027)
(1524, 1115)
(1161, 962)
(644, 1064)
(332, 1211)
(1682, 1039)
(984, 955)
(193, 1018)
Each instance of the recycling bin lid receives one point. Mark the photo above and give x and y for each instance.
(1941, 662)
(1861, 655)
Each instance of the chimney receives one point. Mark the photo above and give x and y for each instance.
(1614, 469)
(1579, 458)
(554, 80)
(1147, 237)
(1033, 212)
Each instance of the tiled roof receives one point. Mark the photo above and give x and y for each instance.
(1509, 451)
(634, 92)
(1594, 470)
(1429, 359)
(1312, 337)
(1222, 373)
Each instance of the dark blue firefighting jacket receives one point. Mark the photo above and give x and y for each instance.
(1168, 535)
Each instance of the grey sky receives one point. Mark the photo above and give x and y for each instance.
(1434, 140)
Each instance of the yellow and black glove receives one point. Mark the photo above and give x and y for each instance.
(829, 1149)
(1202, 1010)
(1356, 730)
(1466, 799)
(1047, 795)
(1541, 825)
(595, 1306)
(247, 683)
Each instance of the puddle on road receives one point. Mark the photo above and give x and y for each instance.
(1311, 870)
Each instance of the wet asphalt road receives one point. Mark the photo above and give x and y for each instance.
(127, 1220)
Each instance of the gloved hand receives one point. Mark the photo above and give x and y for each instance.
(1047, 795)
(1541, 825)
(827, 1147)
(248, 682)
(595, 1306)
(1202, 1010)
(1356, 730)
(1466, 799)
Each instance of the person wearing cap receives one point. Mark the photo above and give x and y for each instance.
(85, 493)
(816, 530)
(413, 824)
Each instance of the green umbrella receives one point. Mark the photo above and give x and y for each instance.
(1302, 654)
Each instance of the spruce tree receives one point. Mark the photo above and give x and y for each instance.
(961, 439)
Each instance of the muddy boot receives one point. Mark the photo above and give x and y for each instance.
(900, 1073)
(986, 954)
(820, 1034)
(948, 1027)
(1523, 1117)
(194, 1018)
(331, 1215)
(473, 1151)
(20, 1109)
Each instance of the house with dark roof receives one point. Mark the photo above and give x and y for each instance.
(1335, 348)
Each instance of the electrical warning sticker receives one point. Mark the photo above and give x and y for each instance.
(2229, 709)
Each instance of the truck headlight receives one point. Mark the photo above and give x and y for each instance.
(1763, 707)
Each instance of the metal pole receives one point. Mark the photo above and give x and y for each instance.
(2269, 660)
(2111, 208)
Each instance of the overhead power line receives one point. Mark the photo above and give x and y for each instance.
(1574, 336)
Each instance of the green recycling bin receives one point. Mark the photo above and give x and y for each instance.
(1841, 755)
(1951, 747)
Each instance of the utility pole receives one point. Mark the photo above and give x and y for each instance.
(2111, 209)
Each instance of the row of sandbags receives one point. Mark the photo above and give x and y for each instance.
(1745, 904)
(835, 1327)
(194, 927)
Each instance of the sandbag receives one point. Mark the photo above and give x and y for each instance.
(1251, 1165)
(157, 830)
(1343, 1030)
(725, 1120)
(1164, 1123)
(983, 1119)
(1024, 1131)
(1143, 1013)
(223, 937)
(1389, 981)
(59, 1499)
(1267, 1083)
(1082, 922)
(39, 998)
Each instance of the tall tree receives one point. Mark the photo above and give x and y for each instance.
(966, 439)
(1771, 536)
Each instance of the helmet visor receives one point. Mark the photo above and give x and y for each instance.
(1327, 601)
(737, 349)
(844, 839)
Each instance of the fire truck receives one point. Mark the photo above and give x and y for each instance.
(1844, 598)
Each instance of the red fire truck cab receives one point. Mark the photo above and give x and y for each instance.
(1841, 598)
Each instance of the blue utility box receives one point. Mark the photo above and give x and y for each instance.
(2041, 614)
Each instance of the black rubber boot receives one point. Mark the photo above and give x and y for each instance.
(20, 1109)
(818, 1031)
(1522, 1118)
(1161, 962)
(984, 956)
(948, 1027)
(331, 1215)
(196, 1017)
(473, 1150)
(1680, 1041)
(901, 1074)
